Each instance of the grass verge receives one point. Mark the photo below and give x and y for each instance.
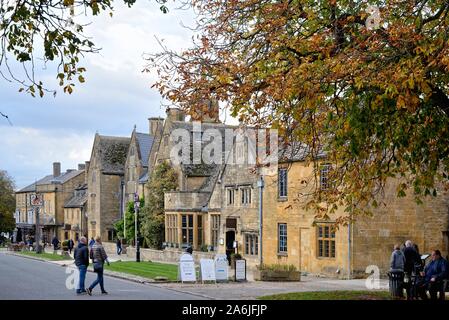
(143, 269)
(330, 295)
(46, 256)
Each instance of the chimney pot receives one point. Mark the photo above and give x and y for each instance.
(155, 125)
(56, 169)
(175, 114)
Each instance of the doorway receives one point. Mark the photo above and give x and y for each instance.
(230, 238)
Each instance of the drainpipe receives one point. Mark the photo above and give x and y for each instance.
(260, 185)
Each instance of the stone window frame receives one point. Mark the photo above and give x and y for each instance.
(188, 228)
(323, 241)
(230, 195)
(251, 241)
(215, 230)
(172, 228)
(282, 248)
(325, 183)
(245, 196)
(200, 230)
(282, 186)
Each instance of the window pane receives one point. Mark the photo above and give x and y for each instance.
(320, 248)
(333, 249)
(190, 221)
(326, 248)
(257, 245)
(184, 221)
(326, 232)
(200, 221)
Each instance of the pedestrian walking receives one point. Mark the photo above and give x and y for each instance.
(70, 245)
(99, 258)
(119, 246)
(55, 243)
(81, 255)
(91, 242)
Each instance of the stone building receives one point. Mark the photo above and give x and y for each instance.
(187, 207)
(233, 206)
(136, 165)
(293, 236)
(56, 189)
(75, 214)
(105, 178)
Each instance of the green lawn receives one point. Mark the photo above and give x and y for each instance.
(145, 269)
(46, 256)
(331, 295)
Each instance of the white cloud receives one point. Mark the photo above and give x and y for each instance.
(28, 153)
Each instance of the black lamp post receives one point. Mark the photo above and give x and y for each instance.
(136, 214)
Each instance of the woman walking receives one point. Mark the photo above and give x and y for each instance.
(99, 257)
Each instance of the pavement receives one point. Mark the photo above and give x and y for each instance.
(134, 287)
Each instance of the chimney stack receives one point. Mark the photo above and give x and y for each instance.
(155, 125)
(175, 114)
(56, 169)
(81, 166)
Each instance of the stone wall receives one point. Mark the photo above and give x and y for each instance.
(109, 204)
(400, 219)
(168, 255)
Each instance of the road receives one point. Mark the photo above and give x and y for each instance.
(25, 279)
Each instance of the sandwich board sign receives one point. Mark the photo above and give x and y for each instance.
(207, 269)
(186, 268)
(221, 267)
(240, 270)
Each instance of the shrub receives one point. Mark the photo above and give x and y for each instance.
(236, 256)
(204, 248)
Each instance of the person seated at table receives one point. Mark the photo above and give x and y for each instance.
(434, 274)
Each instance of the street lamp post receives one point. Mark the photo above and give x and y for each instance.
(38, 247)
(136, 214)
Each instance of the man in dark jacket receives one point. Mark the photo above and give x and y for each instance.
(82, 262)
(434, 274)
(70, 245)
(55, 243)
(412, 259)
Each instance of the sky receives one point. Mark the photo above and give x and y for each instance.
(115, 97)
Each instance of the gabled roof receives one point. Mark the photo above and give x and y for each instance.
(79, 198)
(63, 178)
(112, 152)
(144, 141)
(32, 187)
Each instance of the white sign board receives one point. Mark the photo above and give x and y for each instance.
(221, 267)
(207, 268)
(240, 270)
(186, 269)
